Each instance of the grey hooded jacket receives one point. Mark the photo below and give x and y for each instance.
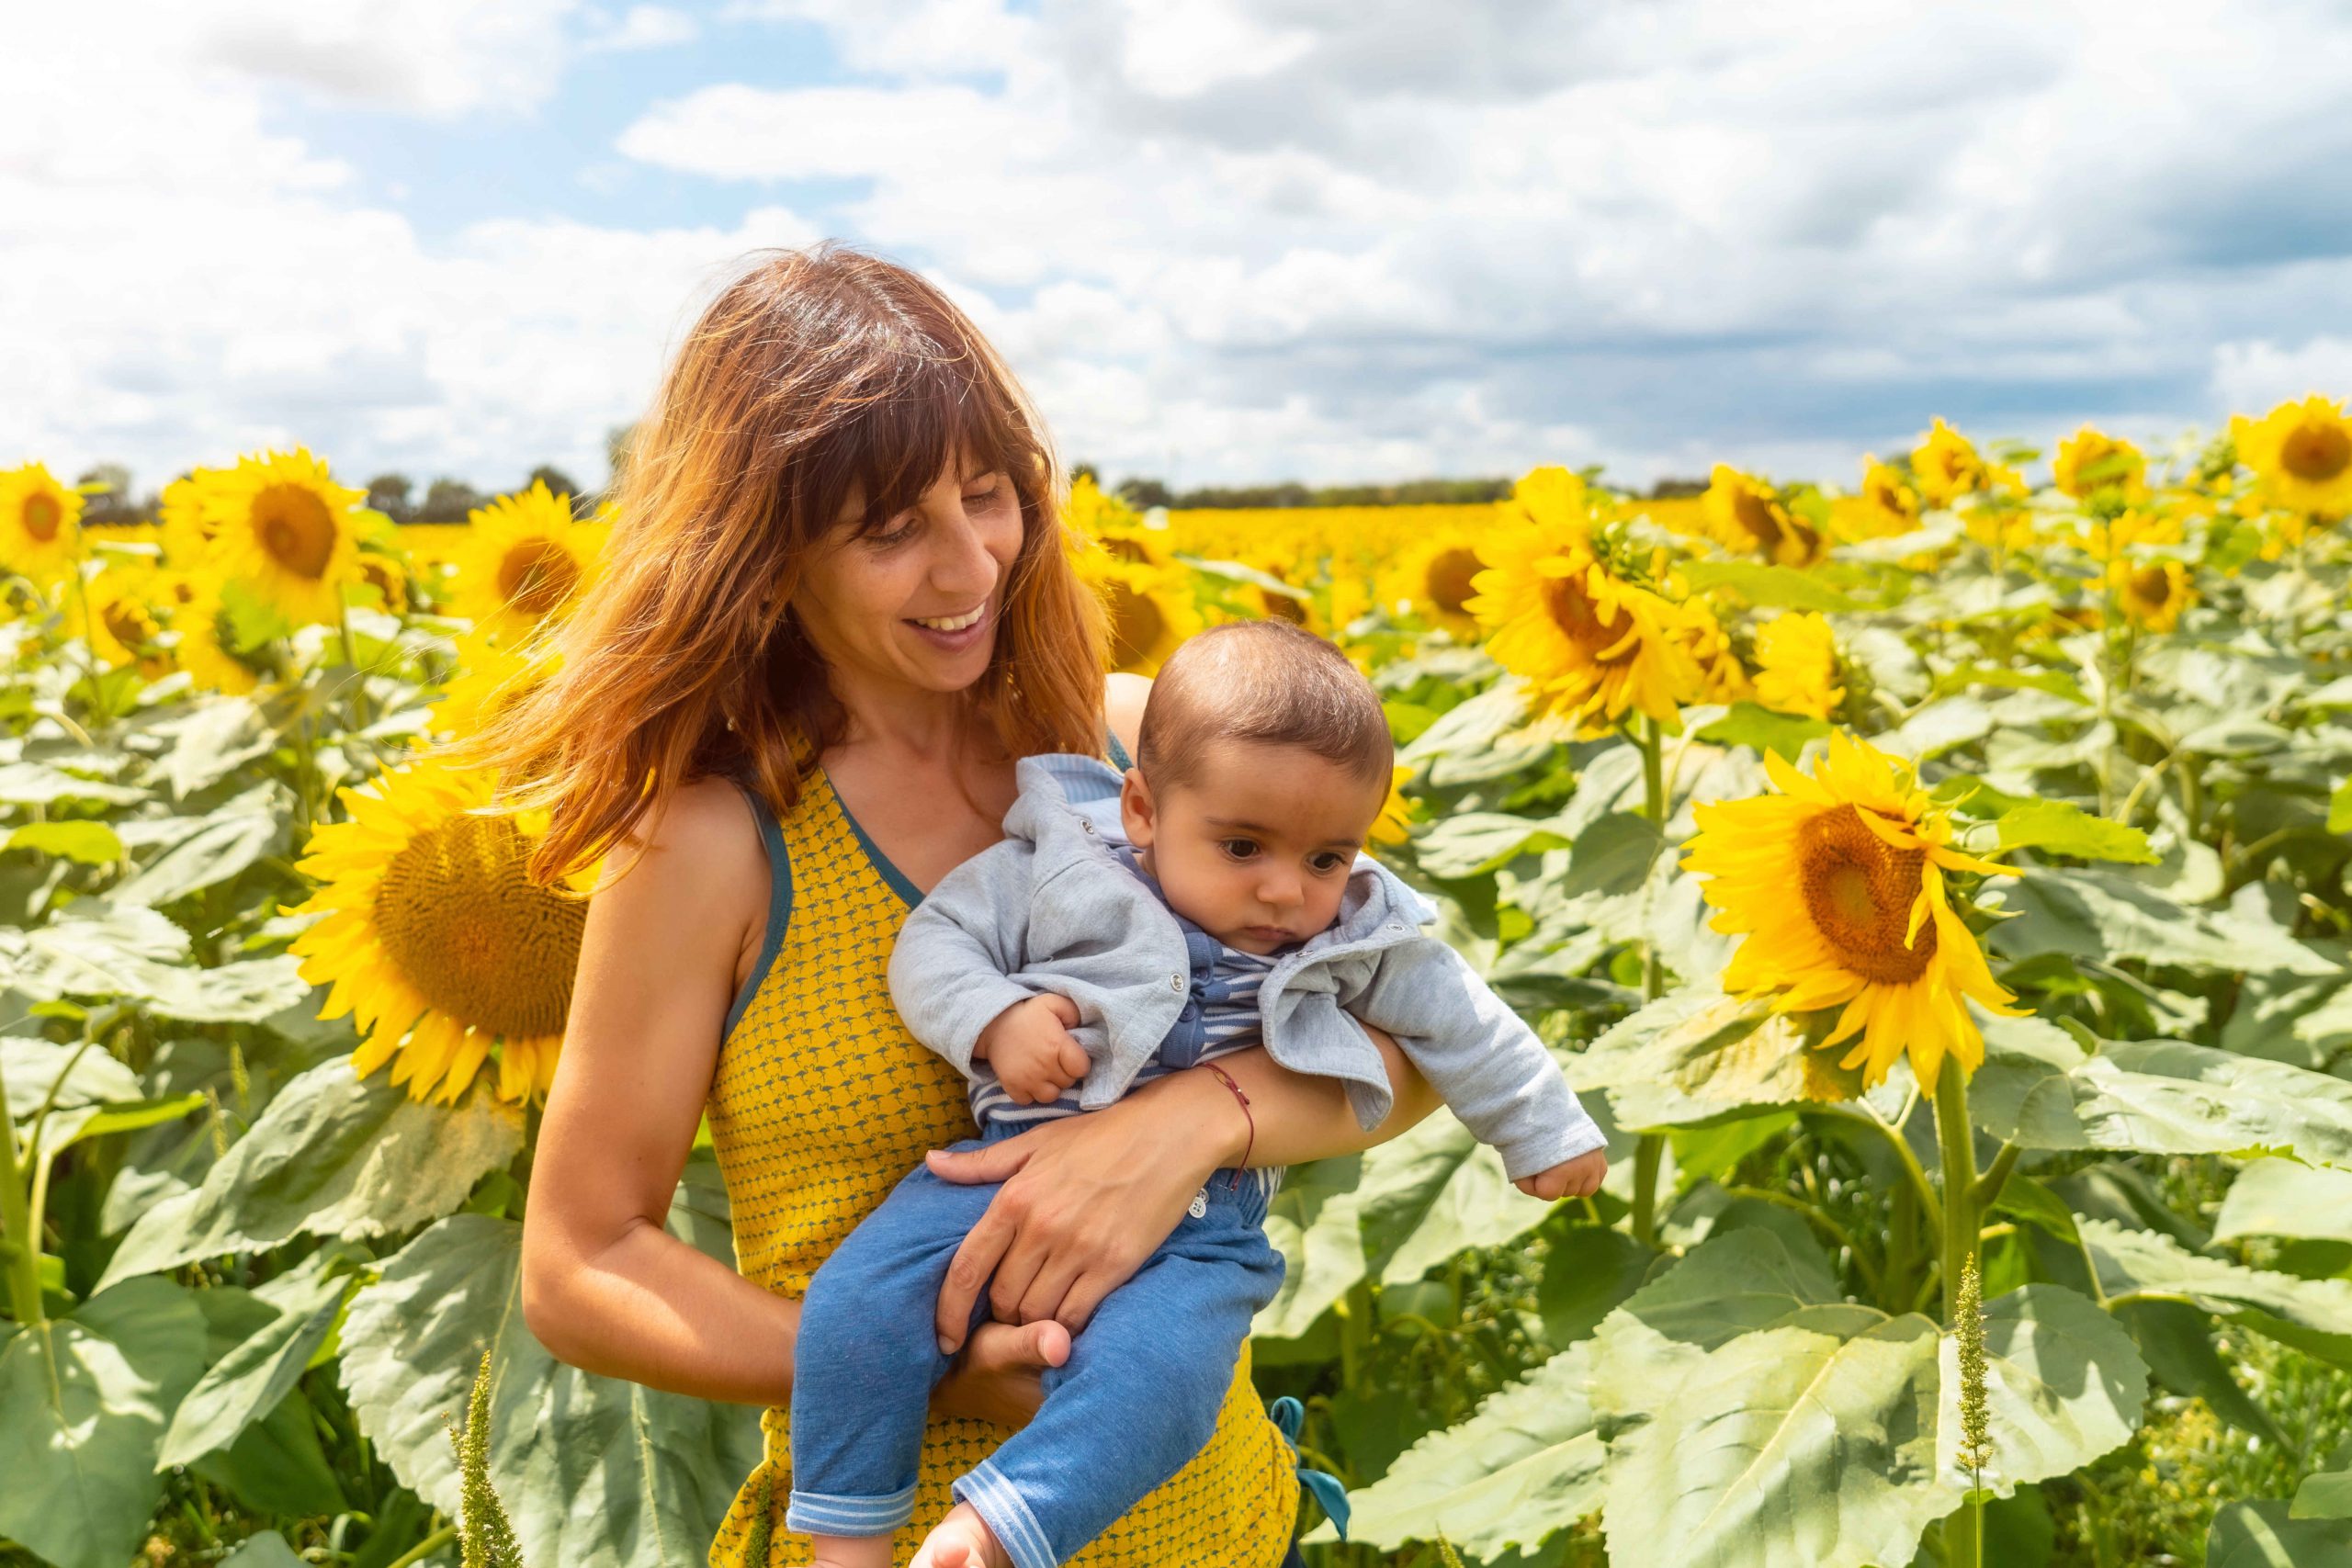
(1049, 908)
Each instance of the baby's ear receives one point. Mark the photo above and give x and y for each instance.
(1134, 809)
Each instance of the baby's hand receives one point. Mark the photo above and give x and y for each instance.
(1030, 1045)
(1577, 1178)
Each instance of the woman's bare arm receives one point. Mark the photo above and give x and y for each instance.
(605, 1287)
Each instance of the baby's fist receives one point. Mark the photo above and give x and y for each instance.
(1577, 1178)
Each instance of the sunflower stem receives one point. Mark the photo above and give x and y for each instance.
(23, 1258)
(89, 645)
(1649, 1149)
(355, 700)
(1957, 1145)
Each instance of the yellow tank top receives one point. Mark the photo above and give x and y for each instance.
(821, 1102)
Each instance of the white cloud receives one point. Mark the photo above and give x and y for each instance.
(1651, 228)
(2253, 378)
(180, 283)
(643, 26)
(1224, 239)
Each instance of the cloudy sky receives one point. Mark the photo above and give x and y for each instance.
(1221, 240)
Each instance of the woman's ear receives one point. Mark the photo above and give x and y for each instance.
(1134, 809)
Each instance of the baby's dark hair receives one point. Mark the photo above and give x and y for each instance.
(1264, 681)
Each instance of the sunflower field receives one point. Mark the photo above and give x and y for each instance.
(1935, 887)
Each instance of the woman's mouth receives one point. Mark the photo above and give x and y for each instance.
(954, 634)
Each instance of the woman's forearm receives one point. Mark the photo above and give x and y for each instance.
(1292, 1117)
(650, 1308)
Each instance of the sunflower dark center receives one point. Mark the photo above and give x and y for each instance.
(536, 576)
(2316, 453)
(1447, 581)
(128, 624)
(1126, 549)
(481, 942)
(1137, 626)
(1578, 619)
(43, 517)
(1859, 889)
(295, 528)
(2150, 585)
(1758, 517)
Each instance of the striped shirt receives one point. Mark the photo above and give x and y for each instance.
(1219, 1018)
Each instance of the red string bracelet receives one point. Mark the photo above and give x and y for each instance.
(1226, 1080)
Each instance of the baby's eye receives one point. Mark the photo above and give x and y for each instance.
(1240, 848)
(1328, 863)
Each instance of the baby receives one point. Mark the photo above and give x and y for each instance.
(1211, 899)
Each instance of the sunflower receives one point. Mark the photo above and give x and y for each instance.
(40, 523)
(1947, 465)
(2096, 468)
(285, 529)
(489, 674)
(2304, 454)
(184, 530)
(202, 648)
(1887, 504)
(1592, 645)
(1150, 608)
(387, 575)
(124, 625)
(526, 559)
(1722, 677)
(1796, 666)
(1749, 517)
(1837, 885)
(1106, 520)
(435, 940)
(2153, 593)
(1431, 578)
(1394, 823)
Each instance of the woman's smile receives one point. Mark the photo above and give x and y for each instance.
(956, 634)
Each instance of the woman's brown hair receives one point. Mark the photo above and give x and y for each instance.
(814, 376)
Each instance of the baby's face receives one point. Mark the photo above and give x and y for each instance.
(1256, 849)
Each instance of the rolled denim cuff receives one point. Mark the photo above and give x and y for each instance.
(1007, 1518)
(816, 1513)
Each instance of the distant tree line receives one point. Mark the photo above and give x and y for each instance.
(1148, 492)
(445, 500)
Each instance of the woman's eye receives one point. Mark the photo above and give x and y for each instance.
(894, 535)
(983, 498)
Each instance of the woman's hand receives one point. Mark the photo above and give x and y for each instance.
(1086, 1199)
(997, 1378)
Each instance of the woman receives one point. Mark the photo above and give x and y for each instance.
(840, 596)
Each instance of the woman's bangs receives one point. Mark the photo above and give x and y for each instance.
(895, 446)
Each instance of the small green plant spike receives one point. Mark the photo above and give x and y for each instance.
(485, 1539)
(1975, 1423)
(1445, 1550)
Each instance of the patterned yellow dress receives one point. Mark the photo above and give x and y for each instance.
(821, 1101)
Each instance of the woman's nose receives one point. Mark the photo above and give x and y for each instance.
(969, 563)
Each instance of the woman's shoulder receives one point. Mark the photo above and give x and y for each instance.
(700, 847)
(1124, 695)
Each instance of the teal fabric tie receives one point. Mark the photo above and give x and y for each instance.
(1290, 1418)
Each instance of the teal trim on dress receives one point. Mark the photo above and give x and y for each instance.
(779, 902)
(1119, 758)
(890, 874)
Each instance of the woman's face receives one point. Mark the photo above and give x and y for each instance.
(916, 602)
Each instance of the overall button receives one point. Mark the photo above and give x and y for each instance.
(1085, 825)
(1198, 1206)
(1176, 982)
